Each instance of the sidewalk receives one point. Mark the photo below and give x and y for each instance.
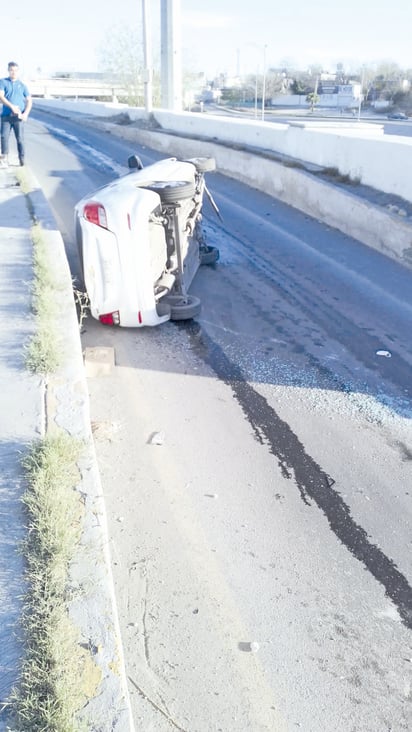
(21, 409)
(27, 405)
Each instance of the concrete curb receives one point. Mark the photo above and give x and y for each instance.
(93, 609)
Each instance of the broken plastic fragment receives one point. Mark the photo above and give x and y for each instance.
(248, 647)
(157, 438)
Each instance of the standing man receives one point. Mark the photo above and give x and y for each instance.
(17, 103)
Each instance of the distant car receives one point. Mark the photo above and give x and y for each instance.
(140, 242)
(398, 115)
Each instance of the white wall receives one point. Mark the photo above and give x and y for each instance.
(359, 150)
(290, 100)
(348, 97)
(97, 109)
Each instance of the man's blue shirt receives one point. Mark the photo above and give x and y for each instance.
(15, 93)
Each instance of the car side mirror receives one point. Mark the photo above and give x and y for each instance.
(134, 162)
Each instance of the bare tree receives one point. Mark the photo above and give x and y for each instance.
(388, 79)
(275, 83)
(313, 100)
(121, 60)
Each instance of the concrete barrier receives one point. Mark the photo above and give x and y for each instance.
(373, 225)
(359, 150)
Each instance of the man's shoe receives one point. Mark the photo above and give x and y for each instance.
(4, 161)
(21, 161)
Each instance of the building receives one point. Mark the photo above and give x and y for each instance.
(331, 96)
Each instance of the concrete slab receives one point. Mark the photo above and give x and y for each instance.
(99, 361)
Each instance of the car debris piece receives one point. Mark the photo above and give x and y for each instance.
(249, 646)
(157, 438)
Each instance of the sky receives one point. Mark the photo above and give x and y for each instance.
(217, 36)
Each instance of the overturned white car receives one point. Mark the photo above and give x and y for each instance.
(140, 242)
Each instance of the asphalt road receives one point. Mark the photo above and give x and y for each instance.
(262, 552)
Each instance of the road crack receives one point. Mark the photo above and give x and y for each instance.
(156, 706)
(145, 633)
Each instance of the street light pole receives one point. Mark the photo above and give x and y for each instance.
(171, 61)
(361, 92)
(147, 59)
(256, 93)
(264, 82)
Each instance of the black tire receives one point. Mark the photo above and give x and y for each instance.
(203, 165)
(172, 191)
(209, 255)
(184, 307)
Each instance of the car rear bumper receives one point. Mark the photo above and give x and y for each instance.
(115, 282)
(129, 319)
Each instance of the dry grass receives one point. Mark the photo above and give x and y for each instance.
(48, 694)
(43, 355)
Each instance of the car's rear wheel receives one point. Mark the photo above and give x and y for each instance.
(203, 165)
(172, 191)
(184, 307)
(208, 255)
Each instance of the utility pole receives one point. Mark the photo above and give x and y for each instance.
(264, 82)
(147, 58)
(256, 93)
(171, 63)
(361, 92)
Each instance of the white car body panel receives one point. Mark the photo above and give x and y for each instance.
(123, 263)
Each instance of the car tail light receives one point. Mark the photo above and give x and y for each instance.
(110, 318)
(96, 214)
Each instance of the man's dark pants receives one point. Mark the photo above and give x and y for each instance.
(8, 123)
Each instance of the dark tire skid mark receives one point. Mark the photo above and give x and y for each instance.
(314, 484)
